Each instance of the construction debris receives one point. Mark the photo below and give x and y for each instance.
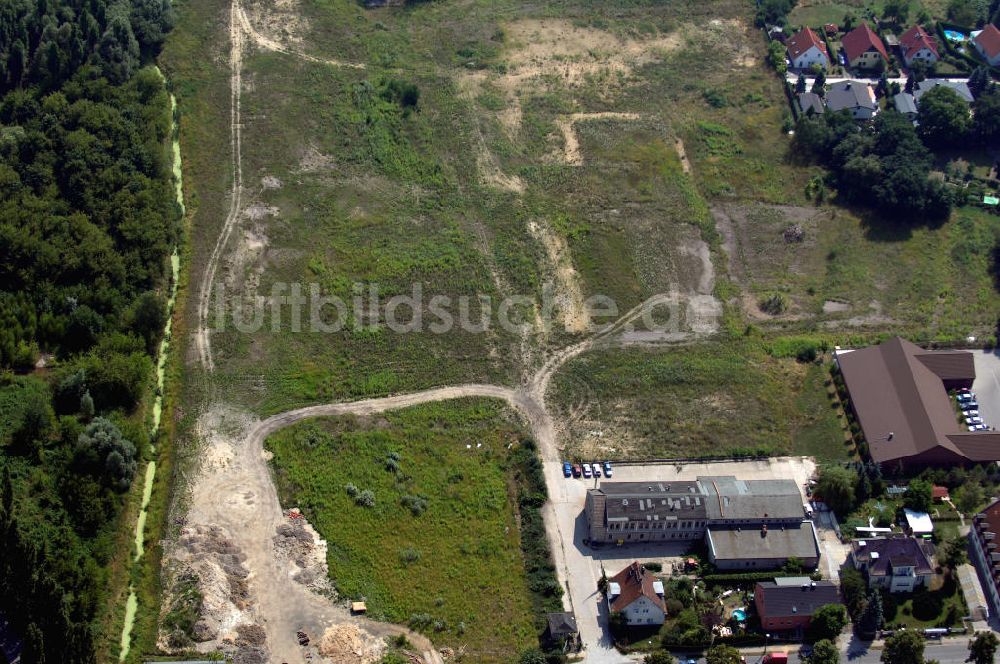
(346, 643)
(794, 233)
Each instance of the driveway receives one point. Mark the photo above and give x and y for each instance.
(583, 563)
(987, 386)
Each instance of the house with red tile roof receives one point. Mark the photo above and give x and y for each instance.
(863, 48)
(987, 42)
(637, 595)
(806, 49)
(915, 44)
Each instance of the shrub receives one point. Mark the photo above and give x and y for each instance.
(773, 303)
(409, 555)
(420, 620)
(351, 490)
(416, 504)
(653, 567)
(365, 499)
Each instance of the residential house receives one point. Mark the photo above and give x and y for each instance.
(806, 49)
(864, 49)
(961, 88)
(637, 595)
(746, 524)
(811, 103)
(986, 552)
(939, 494)
(855, 97)
(897, 563)
(788, 604)
(899, 393)
(906, 105)
(915, 44)
(987, 42)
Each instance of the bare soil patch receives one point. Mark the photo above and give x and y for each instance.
(569, 295)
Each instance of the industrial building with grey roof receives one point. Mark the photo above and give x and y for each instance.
(747, 524)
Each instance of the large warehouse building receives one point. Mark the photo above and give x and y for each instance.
(899, 392)
(746, 524)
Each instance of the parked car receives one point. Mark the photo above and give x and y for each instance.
(964, 390)
(982, 427)
(966, 396)
(973, 420)
(586, 470)
(969, 405)
(596, 467)
(567, 469)
(607, 469)
(971, 413)
(577, 471)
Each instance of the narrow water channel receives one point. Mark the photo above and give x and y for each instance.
(132, 604)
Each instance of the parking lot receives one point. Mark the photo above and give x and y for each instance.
(987, 386)
(584, 563)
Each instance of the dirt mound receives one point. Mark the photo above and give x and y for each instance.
(348, 644)
(209, 555)
(302, 552)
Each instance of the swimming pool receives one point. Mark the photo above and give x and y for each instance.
(954, 35)
(739, 615)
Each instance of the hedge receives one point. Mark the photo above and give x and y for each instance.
(747, 577)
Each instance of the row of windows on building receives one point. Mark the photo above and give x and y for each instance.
(655, 525)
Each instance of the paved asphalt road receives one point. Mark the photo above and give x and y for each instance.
(949, 651)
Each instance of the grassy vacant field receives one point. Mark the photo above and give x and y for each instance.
(705, 399)
(440, 546)
(503, 177)
(850, 274)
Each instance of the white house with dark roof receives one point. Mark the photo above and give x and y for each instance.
(855, 97)
(899, 564)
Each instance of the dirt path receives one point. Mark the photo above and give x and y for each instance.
(239, 28)
(271, 45)
(234, 496)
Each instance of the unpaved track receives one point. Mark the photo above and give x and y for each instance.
(241, 497)
(243, 500)
(239, 28)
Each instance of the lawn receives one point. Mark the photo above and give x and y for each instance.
(440, 547)
(941, 606)
(712, 398)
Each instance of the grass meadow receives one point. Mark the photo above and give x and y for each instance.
(707, 399)
(440, 546)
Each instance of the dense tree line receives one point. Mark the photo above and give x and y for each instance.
(87, 220)
(885, 165)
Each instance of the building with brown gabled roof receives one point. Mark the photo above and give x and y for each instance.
(899, 393)
(915, 44)
(986, 552)
(637, 595)
(987, 42)
(863, 48)
(806, 49)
